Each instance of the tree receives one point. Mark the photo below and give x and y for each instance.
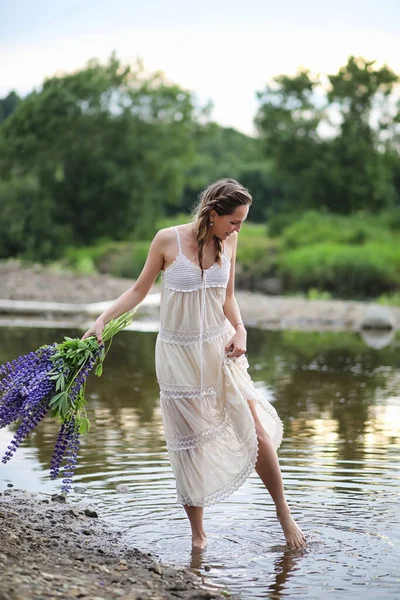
(224, 152)
(330, 140)
(107, 145)
(8, 105)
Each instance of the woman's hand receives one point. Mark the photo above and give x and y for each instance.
(237, 344)
(96, 330)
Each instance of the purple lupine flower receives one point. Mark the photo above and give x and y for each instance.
(25, 382)
(28, 424)
(72, 449)
(81, 378)
(59, 451)
(52, 380)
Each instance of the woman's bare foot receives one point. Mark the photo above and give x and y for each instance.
(295, 538)
(199, 542)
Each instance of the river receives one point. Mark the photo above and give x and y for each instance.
(339, 400)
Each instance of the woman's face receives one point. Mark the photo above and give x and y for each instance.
(224, 225)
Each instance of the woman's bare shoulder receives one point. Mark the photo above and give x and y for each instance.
(165, 235)
(231, 243)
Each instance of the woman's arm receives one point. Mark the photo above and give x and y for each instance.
(136, 294)
(237, 344)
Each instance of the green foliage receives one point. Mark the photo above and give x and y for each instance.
(121, 259)
(315, 294)
(225, 152)
(71, 358)
(357, 167)
(106, 145)
(8, 105)
(27, 227)
(96, 161)
(389, 299)
(314, 228)
(255, 252)
(346, 271)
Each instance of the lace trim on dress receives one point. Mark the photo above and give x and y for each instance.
(189, 442)
(187, 338)
(184, 276)
(186, 392)
(226, 490)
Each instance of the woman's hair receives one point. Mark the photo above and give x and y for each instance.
(223, 196)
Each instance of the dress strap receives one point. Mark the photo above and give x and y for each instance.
(179, 240)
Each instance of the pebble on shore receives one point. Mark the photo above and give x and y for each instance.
(54, 550)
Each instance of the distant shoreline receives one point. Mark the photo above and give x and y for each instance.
(41, 284)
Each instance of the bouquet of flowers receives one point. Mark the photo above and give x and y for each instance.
(52, 381)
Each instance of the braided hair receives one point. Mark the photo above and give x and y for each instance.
(223, 196)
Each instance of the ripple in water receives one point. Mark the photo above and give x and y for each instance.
(340, 461)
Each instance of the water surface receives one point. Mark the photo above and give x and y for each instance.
(340, 403)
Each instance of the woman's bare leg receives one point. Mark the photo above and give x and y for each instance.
(267, 467)
(195, 514)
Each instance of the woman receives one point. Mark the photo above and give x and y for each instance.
(218, 428)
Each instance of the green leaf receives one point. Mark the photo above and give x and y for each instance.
(84, 425)
(60, 384)
(99, 370)
(57, 398)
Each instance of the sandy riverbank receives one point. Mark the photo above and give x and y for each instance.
(56, 550)
(274, 312)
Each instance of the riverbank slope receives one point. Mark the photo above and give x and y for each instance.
(60, 550)
(38, 284)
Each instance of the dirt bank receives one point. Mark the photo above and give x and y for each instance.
(56, 550)
(274, 312)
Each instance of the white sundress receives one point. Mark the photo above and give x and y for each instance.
(208, 425)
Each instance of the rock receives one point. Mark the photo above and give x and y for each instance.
(116, 591)
(91, 512)
(378, 317)
(155, 568)
(10, 485)
(103, 569)
(377, 338)
(58, 498)
(122, 566)
(179, 586)
(79, 557)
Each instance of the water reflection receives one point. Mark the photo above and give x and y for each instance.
(339, 400)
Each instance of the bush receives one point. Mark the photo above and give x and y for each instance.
(345, 271)
(315, 228)
(389, 299)
(121, 259)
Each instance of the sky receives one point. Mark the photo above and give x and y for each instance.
(222, 50)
